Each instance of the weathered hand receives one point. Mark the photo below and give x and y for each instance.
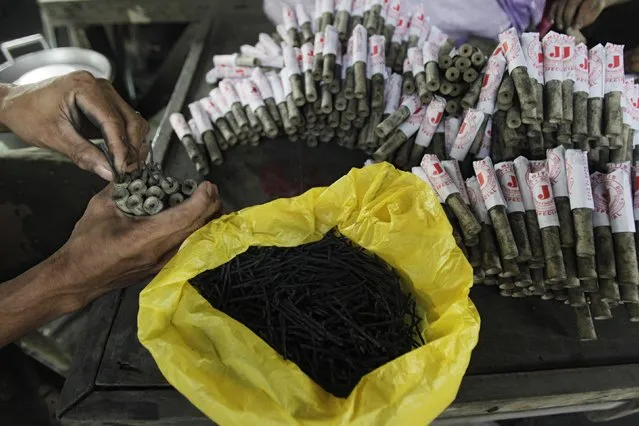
(61, 112)
(576, 13)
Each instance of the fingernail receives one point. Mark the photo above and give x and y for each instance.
(102, 171)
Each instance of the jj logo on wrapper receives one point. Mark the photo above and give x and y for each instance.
(252, 94)
(620, 209)
(421, 173)
(454, 171)
(378, 56)
(553, 57)
(360, 41)
(568, 51)
(419, 23)
(433, 117)
(495, 69)
(556, 165)
(543, 198)
(509, 186)
(392, 15)
(318, 44)
(531, 46)
(522, 168)
(600, 200)
(410, 126)
(511, 48)
(477, 201)
(579, 189)
(179, 125)
(467, 132)
(401, 29)
(307, 57)
(490, 190)
(596, 60)
(438, 177)
(581, 69)
(614, 68)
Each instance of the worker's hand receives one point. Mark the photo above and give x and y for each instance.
(576, 13)
(631, 60)
(108, 249)
(62, 112)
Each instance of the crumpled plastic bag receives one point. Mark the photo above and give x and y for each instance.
(235, 378)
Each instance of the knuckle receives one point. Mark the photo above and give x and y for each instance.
(82, 76)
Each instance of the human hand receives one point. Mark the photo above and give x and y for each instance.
(62, 112)
(576, 13)
(631, 60)
(108, 249)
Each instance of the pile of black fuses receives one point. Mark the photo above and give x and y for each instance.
(331, 307)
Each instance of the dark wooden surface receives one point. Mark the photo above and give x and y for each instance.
(527, 357)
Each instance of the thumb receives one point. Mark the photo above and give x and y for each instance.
(86, 155)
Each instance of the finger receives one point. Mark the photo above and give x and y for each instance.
(552, 11)
(84, 154)
(559, 15)
(137, 127)
(195, 211)
(102, 112)
(588, 12)
(570, 11)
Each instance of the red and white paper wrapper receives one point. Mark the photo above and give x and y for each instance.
(556, 167)
(272, 49)
(467, 132)
(343, 5)
(568, 52)
(411, 102)
(509, 186)
(623, 166)
(537, 165)
(451, 128)
(453, 170)
(553, 57)
(579, 188)
(318, 43)
(635, 112)
(477, 201)
(211, 108)
(195, 131)
(259, 78)
(531, 46)
(437, 36)
(393, 12)
(430, 52)
(285, 73)
(416, 59)
(620, 203)
(627, 101)
(635, 189)
(282, 32)
(394, 93)
(600, 200)
(419, 25)
(289, 18)
(360, 41)
(421, 173)
(248, 50)
(359, 6)
(290, 58)
(432, 118)
(302, 16)
(439, 179)
(219, 99)
(331, 44)
(307, 57)
(224, 60)
(488, 183)
(239, 89)
(495, 69)
(348, 57)
(377, 54)
(228, 91)
(201, 118)
(252, 94)
(219, 73)
(401, 28)
(510, 45)
(327, 6)
(276, 85)
(484, 149)
(613, 80)
(410, 126)
(596, 73)
(522, 168)
(179, 125)
(543, 198)
(581, 69)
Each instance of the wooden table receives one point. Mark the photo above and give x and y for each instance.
(528, 361)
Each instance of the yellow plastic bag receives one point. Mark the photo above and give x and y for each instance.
(234, 377)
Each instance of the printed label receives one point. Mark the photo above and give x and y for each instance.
(418, 22)
(201, 118)
(290, 58)
(289, 18)
(596, 59)
(439, 179)
(556, 167)
(410, 126)
(509, 186)
(437, 36)
(432, 118)
(302, 16)
(377, 54)
(343, 5)
(553, 57)
(394, 93)
(318, 43)
(495, 69)
(276, 85)
(624, 166)
(412, 102)
(477, 201)
(620, 208)
(453, 170)
(634, 107)
(511, 48)
(220, 100)
(331, 40)
(308, 56)
(430, 52)
(579, 189)
(401, 29)
(327, 6)
(568, 49)
(484, 149)
(179, 125)
(467, 132)
(600, 200)
(582, 69)
(543, 197)
(451, 128)
(252, 93)
(392, 14)
(490, 190)
(628, 101)
(232, 72)
(262, 83)
(522, 169)
(416, 60)
(211, 108)
(224, 60)
(360, 40)
(531, 46)
(228, 91)
(537, 165)
(613, 80)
